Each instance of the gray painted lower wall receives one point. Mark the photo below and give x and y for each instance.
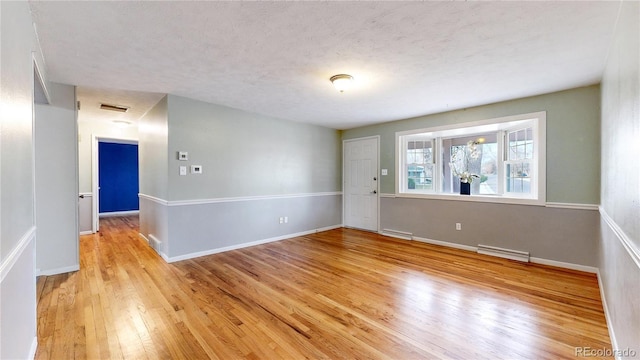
(620, 286)
(85, 213)
(17, 299)
(196, 229)
(154, 223)
(557, 234)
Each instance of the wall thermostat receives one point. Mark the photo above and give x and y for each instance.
(183, 155)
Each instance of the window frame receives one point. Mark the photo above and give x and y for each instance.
(502, 126)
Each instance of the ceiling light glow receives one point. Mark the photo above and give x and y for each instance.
(122, 123)
(341, 82)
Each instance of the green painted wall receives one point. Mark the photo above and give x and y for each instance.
(247, 154)
(573, 139)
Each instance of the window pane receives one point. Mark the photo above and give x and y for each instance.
(520, 144)
(419, 166)
(477, 155)
(518, 177)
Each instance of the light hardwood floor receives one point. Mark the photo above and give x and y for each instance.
(337, 294)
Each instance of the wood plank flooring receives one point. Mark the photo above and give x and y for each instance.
(340, 294)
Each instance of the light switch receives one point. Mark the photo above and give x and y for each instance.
(183, 170)
(384, 172)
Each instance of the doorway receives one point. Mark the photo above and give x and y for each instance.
(115, 178)
(360, 189)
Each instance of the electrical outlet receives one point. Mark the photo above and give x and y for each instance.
(458, 226)
(281, 220)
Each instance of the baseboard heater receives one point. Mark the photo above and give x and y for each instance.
(398, 234)
(154, 242)
(504, 253)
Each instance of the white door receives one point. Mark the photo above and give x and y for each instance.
(361, 183)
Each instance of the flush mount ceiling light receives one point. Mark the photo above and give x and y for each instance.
(122, 123)
(341, 81)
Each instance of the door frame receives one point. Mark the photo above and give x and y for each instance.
(344, 169)
(95, 189)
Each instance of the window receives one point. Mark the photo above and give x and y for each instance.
(419, 165)
(505, 158)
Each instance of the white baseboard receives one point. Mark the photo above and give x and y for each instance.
(607, 317)
(249, 244)
(33, 348)
(88, 232)
(445, 243)
(119, 213)
(57, 271)
(565, 265)
(143, 237)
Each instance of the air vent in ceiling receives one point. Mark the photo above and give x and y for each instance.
(114, 107)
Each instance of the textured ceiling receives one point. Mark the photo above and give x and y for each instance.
(275, 58)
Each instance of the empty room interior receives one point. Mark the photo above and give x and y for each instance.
(289, 180)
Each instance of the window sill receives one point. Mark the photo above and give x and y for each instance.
(472, 198)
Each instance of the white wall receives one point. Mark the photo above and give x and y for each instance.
(56, 181)
(86, 130)
(17, 225)
(619, 260)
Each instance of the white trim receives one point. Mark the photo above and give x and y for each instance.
(86, 194)
(445, 243)
(154, 199)
(493, 199)
(396, 234)
(572, 206)
(120, 213)
(607, 316)
(234, 199)
(473, 198)
(539, 120)
(477, 123)
(144, 237)
(16, 252)
(95, 139)
(57, 271)
(33, 348)
(88, 232)
(633, 251)
(565, 265)
(249, 244)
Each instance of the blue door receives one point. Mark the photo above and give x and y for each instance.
(118, 177)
